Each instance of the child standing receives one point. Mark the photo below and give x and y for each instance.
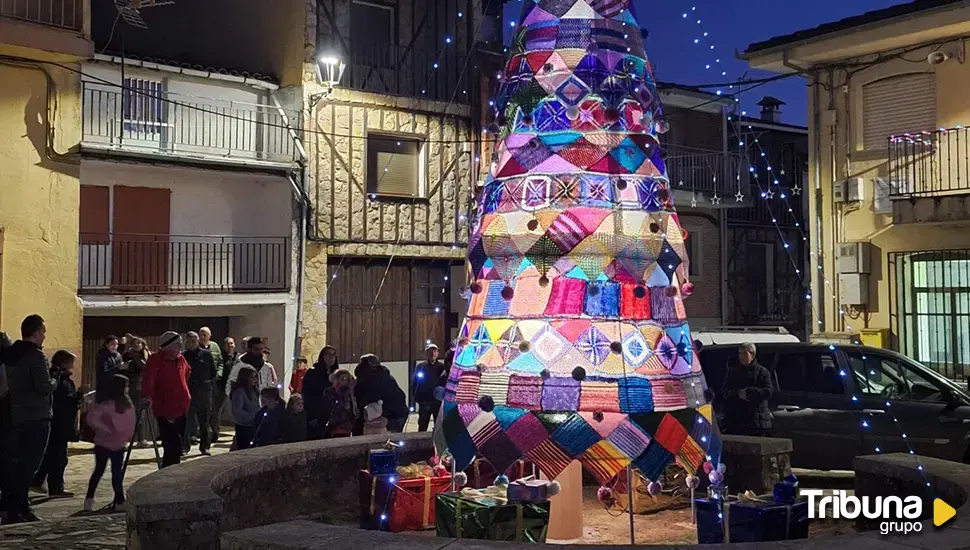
(245, 405)
(339, 413)
(296, 380)
(67, 402)
(268, 426)
(294, 423)
(113, 421)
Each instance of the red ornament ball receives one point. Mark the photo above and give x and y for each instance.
(476, 287)
(687, 289)
(543, 281)
(670, 291)
(533, 225)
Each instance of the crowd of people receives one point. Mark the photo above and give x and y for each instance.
(177, 395)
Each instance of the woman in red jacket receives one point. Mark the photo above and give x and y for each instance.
(165, 387)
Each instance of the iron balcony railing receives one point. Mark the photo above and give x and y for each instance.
(176, 264)
(409, 71)
(705, 170)
(930, 163)
(142, 117)
(65, 14)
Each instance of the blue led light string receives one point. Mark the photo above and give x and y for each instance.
(767, 195)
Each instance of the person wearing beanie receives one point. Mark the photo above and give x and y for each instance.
(165, 387)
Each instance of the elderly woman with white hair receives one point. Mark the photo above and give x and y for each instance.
(746, 390)
(165, 386)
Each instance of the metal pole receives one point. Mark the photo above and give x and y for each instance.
(629, 490)
(454, 486)
(693, 508)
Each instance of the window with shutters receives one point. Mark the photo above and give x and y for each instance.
(396, 166)
(897, 105)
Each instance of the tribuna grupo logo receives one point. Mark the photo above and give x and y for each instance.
(898, 515)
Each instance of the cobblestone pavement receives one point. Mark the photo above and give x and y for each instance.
(65, 526)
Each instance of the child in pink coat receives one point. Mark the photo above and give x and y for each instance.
(113, 421)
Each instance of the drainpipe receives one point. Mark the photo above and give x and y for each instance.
(818, 298)
(299, 190)
(722, 225)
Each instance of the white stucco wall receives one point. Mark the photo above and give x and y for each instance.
(206, 202)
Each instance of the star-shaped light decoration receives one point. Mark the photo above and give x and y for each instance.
(796, 190)
(715, 199)
(770, 194)
(739, 197)
(782, 172)
(693, 201)
(680, 183)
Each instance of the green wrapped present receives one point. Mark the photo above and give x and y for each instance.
(484, 518)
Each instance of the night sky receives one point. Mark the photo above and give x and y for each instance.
(730, 24)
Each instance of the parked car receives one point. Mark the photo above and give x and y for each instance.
(839, 402)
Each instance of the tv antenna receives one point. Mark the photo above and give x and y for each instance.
(129, 10)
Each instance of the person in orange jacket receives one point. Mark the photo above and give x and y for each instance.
(165, 388)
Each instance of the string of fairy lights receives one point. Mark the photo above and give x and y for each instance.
(768, 194)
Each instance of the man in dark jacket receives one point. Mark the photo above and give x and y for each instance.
(746, 390)
(375, 383)
(201, 381)
(109, 363)
(428, 375)
(31, 387)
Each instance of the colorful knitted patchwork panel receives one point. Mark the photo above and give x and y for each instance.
(576, 344)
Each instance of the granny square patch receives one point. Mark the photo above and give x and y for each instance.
(670, 434)
(630, 439)
(527, 432)
(604, 461)
(691, 456)
(599, 396)
(500, 451)
(653, 461)
(550, 458)
(575, 436)
(636, 395)
(525, 392)
(560, 394)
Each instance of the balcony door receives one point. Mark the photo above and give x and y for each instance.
(140, 247)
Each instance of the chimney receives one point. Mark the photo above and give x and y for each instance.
(770, 109)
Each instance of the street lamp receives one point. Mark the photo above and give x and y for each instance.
(330, 69)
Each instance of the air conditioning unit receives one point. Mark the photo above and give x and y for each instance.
(850, 190)
(853, 258)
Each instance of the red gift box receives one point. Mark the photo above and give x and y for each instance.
(388, 503)
(481, 474)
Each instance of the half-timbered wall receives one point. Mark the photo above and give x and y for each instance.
(346, 213)
(416, 48)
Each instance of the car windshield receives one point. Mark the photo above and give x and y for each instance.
(899, 378)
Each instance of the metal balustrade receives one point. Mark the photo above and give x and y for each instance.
(152, 120)
(176, 264)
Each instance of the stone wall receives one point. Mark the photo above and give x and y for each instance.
(755, 463)
(189, 505)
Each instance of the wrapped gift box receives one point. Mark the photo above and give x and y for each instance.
(733, 520)
(389, 503)
(381, 462)
(457, 516)
(481, 474)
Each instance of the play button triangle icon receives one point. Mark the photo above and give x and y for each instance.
(942, 512)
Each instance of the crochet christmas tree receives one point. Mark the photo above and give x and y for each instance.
(576, 344)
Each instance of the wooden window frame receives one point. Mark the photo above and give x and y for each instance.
(421, 187)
